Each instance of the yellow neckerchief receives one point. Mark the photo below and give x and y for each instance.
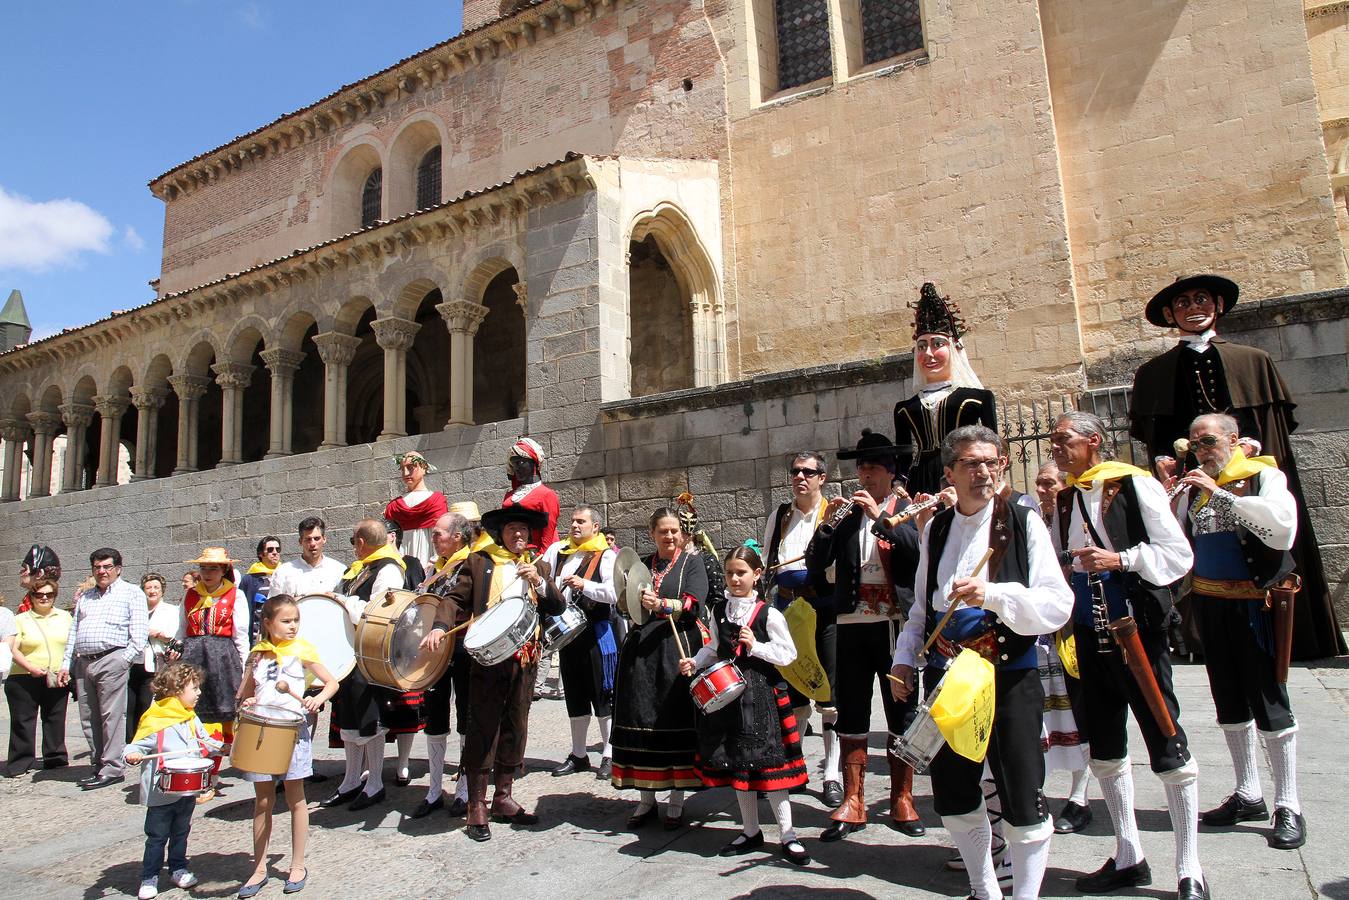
(297, 647)
(261, 568)
(163, 714)
(596, 543)
(1107, 470)
(208, 598)
(1238, 468)
(386, 552)
(481, 542)
(501, 556)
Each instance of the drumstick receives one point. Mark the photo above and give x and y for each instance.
(461, 626)
(169, 753)
(786, 562)
(895, 679)
(678, 642)
(979, 567)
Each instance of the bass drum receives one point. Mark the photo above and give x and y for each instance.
(389, 637)
(325, 623)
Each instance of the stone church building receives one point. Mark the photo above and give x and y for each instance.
(674, 239)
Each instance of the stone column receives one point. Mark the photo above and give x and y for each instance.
(337, 351)
(283, 364)
(78, 417)
(147, 403)
(14, 432)
(462, 318)
(45, 426)
(232, 377)
(190, 389)
(110, 410)
(394, 337)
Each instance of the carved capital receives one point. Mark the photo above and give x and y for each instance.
(13, 430)
(44, 422)
(189, 387)
(111, 407)
(233, 374)
(462, 315)
(521, 289)
(282, 363)
(395, 334)
(335, 348)
(77, 415)
(148, 399)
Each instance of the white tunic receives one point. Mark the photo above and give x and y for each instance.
(299, 579)
(600, 591)
(779, 649)
(1270, 513)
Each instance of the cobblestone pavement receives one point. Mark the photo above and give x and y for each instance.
(65, 844)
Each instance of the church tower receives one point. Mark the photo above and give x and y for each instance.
(15, 329)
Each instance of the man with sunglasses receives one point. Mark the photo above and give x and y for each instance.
(787, 533)
(257, 581)
(1242, 519)
(107, 634)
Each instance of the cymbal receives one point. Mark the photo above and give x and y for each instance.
(631, 578)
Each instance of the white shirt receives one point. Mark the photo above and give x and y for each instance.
(1199, 342)
(1038, 608)
(601, 591)
(1270, 514)
(7, 629)
(299, 579)
(166, 618)
(779, 649)
(1164, 558)
(796, 534)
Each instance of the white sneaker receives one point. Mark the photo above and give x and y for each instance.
(149, 889)
(184, 879)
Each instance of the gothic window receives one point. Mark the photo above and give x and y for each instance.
(428, 179)
(803, 41)
(371, 196)
(890, 28)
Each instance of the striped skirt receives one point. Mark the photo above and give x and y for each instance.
(1063, 745)
(791, 773)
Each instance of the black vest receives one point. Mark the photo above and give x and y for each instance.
(361, 585)
(1010, 562)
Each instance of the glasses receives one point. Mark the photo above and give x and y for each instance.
(806, 471)
(105, 567)
(1208, 441)
(974, 464)
(271, 549)
(45, 595)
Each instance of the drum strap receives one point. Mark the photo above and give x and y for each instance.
(749, 623)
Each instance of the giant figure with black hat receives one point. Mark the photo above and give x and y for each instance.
(1204, 373)
(874, 565)
(499, 696)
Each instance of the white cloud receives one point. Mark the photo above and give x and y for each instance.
(251, 15)
(132, 238)
(37, 235)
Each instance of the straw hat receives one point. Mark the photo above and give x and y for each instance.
(468, 509)
(212, 556)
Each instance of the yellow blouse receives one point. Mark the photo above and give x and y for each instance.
(41, 639)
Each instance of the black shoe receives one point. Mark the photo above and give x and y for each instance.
(832, 794)
(1290, 830)
(87, 779)
(425, 808)
(742, 845)
(571, 765)
(1191, 889)
(795, 854)
(365, 801)
(1074, 817)
(519, 817)
(55, 764)
(912, 828)
(1234, 809)
(458, 808)
(316, 778)
(101, 781)
(341, 798)
(478, 833)
(837, 831)
(674, 822)
(402, 781)
(1108, 879)
(637, 820)
(606, 769)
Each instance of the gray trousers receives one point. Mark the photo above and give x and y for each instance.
(103, 710)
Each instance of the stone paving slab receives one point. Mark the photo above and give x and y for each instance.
(67, 845)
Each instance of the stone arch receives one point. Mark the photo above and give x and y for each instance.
(491, 263)
(20, 407)
(200, 351)
(85, 388)
(690, 266)
(499, 349)
(409, 300)
(119, 382)
(416, 135)
(51, 398)
(165, 446)
(350, 313)
(245, 337)
(342, 197)
(292, 326)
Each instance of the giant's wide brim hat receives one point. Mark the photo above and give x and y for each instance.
(873, 447)
(212, 556)
(495, 520)
(1216, 285)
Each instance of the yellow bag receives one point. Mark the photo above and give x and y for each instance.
(1065, 642)
(963, 709)
(805, 673)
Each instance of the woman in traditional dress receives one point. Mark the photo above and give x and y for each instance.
(655, 738)
(949, 393)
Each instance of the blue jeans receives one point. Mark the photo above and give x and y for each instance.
(168, 823)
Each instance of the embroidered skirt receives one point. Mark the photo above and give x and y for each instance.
(655, 737)
(738, 750)
(1063, 745)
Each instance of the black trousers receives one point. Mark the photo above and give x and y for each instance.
(583, 676)
(30, 700)
(826, 639)
(865, 652)
(1014, 754)
(1240, 674)
(452, 686)
(138, 697)
(1109, 692)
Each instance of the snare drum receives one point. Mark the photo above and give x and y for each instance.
(718, 687)
(325, 623)
(498, 634)
(921, 741)
(389, 638)
(561, 630)
(264, 739)
(184, 775)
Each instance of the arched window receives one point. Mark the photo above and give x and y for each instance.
(371, 195)
(428, 179)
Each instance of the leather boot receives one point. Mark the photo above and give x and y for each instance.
(477, 806)
(504, 807)
(852, 815)
(902, 810)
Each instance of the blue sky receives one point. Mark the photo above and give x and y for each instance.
(102, 97)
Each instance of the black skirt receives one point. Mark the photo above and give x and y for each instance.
(655, 738)
(219, 659)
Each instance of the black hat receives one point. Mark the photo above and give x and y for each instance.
(42, 562)
(934, 314)
(1216, 285)
(394, 529)
(495, 520)
(874, 447)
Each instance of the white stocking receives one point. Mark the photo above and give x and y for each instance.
(580, 725)
(749, 812)
(781, 804)
(1117, 787)
(1029, 848)
(404, 753)
(1078, 793)
(606, 727)
(1282, 749)
(993, 802)
(1182, 800)
(675, 804)
(435, 764)
(646, 803)
(374, 764)
(828, 719)
(973, 837)
(353, 747)
(1241, 745)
